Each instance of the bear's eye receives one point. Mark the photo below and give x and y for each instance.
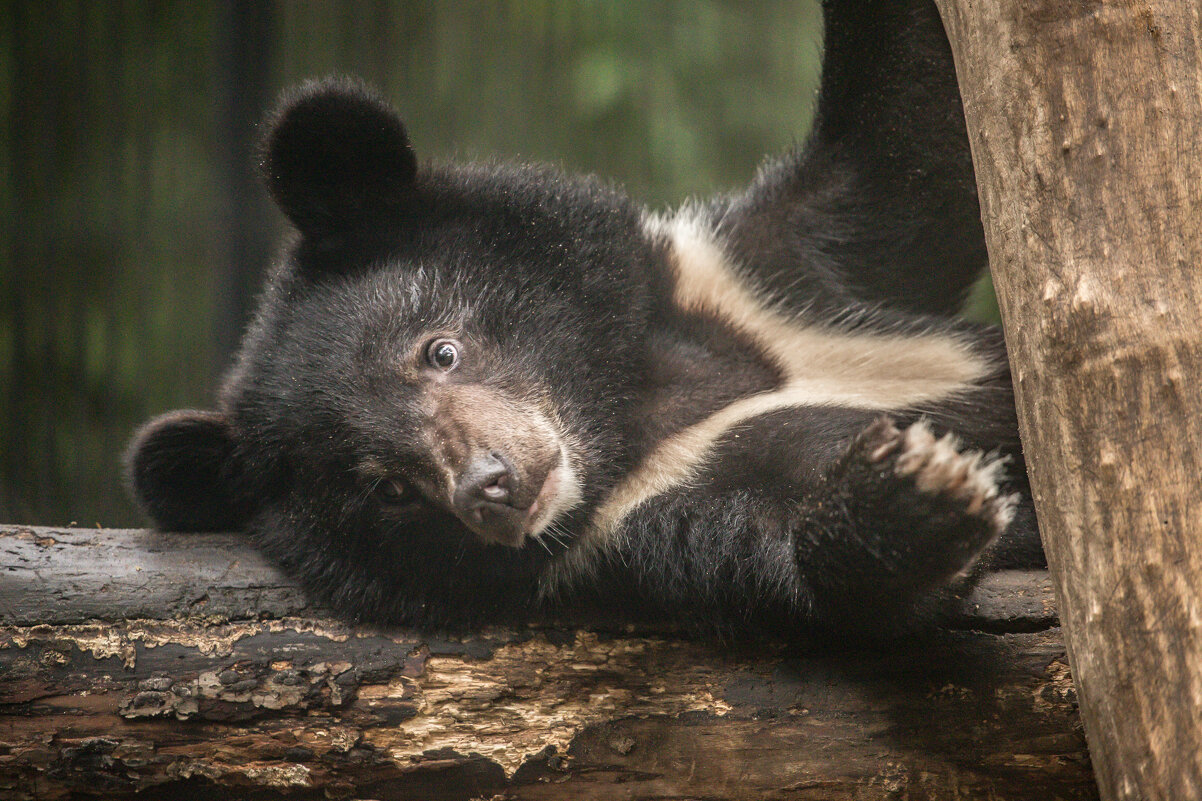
(443, 354)
(393, 491)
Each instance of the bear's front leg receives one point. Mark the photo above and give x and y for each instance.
(897, 517)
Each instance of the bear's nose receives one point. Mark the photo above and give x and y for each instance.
(485, 490)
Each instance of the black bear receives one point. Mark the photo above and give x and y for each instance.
(479, 393)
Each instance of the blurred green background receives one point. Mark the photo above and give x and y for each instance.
(136, 231)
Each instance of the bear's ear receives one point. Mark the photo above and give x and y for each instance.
(184, 472)
(336, 157)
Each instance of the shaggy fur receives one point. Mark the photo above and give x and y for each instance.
(478, 393)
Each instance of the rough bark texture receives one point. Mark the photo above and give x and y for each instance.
(1086, 128)
(185, 667)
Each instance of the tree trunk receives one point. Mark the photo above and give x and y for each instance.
(183, 666)
(1086, 121)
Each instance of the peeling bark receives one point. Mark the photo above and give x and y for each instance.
(1086, 132)
(208, 694)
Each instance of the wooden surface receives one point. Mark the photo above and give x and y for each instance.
(1086, 127)
(183, 666)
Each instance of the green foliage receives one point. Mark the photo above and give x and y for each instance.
(981, 304)
(668, 98)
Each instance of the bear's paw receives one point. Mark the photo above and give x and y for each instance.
(939, 467)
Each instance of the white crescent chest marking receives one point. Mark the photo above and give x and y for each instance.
(820, 367)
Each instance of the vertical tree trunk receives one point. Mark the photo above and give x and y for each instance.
(1086, 128)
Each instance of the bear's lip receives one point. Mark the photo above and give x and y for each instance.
(558, 493)
(526, 522)
(547, 495)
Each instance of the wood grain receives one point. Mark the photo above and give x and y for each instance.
(136, 664)
(1086, 128)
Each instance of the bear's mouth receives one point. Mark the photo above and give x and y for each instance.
(512, 526)
(559, 494)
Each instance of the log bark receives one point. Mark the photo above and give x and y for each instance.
(1086, 129)
(137, 664)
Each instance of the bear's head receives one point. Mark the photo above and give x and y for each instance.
(440, 379)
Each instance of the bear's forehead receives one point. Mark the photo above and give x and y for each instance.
(397, 300)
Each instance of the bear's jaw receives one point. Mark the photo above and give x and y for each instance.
(560, 493)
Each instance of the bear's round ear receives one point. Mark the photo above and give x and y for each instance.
(336, 157)
(184, 472)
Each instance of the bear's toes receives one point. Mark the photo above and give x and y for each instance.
(939, 467)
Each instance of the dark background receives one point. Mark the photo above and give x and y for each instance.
(135, 231)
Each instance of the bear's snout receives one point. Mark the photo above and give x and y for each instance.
(484, 497)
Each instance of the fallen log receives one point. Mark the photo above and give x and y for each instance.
(138, 664)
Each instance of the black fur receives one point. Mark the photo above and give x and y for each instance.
(559, 303)
(881, 204)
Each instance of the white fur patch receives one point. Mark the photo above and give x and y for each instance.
(821, 367)
(565, 497)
